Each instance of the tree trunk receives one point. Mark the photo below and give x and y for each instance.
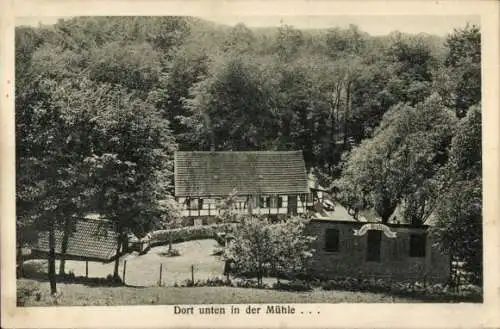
(52, 258)
(333, 140)
(347, 112)
(119, 238)
(19, 260)
(64, 245)
(259, 275)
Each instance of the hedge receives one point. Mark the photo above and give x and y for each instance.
(162, 237)
(294, 285)
(406, 289)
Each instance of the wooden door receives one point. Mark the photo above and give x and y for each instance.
(292, 205)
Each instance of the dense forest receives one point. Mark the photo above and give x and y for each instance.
(386, 121)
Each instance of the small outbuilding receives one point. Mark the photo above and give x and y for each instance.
(91, 239)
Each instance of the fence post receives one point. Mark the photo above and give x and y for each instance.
(86, 268)
(192, 273)
(124, 270)
(161, 268)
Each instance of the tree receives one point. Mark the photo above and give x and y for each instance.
(394, 167)
(131, 164)
(135, 66)
(459, 81)
(251, 248)
(172, 218)
(459, 215)
(228, 110)
(342, 42)
(260, 248)
(291, 248)
(240, 39)
(289, 42)
(27, 40)
(51, 144)
(187, 66)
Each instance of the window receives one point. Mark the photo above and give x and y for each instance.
(194, 204)
(280, 202)
(417, 245)
(265, 201)
(332, 239)
(374, 239)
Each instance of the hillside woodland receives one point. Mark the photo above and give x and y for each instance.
(386, 121)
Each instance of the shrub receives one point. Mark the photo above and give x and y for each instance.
(107, 281)
(405, 289)
(295, 285)
(162, 237)
(245, 283)
(171, 253)
(218, 282)
(210, 282)
(27, 290)
(35, 269)
(259, 248)
(218, 252)
(67, 277)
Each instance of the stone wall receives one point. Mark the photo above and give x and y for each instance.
(395, 261)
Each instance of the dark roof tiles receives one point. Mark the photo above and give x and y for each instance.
(249, 173)
(92, 239)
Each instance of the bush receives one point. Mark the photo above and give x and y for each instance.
(36, 268)
(67, 277)
(250, 284)
(27, 290)
(162, 237)
(260, 249)
(405, 289)
(295, 285)
(171, 253)
(218, 252)
(210, 282)
(107, 281)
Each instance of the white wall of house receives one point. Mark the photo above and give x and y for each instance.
(209, 206)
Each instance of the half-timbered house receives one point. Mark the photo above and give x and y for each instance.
(273, 183)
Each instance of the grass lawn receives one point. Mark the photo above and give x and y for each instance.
(142, 276)
(143, 270)
(81, 295)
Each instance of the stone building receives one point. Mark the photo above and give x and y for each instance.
(345, 247)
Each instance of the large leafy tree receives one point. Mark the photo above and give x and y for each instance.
(459, 215)
(459, 81)
(229, 108)
(52, 142)
(131, 163)
(394, 167)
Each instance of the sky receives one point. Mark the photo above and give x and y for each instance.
(373, 24)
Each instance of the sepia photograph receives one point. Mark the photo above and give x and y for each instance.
(207, 161)
(213, 163)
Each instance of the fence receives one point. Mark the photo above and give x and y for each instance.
(131, 273)
(160, 275)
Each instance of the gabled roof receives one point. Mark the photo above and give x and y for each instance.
(92, 239)
(199, 174)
